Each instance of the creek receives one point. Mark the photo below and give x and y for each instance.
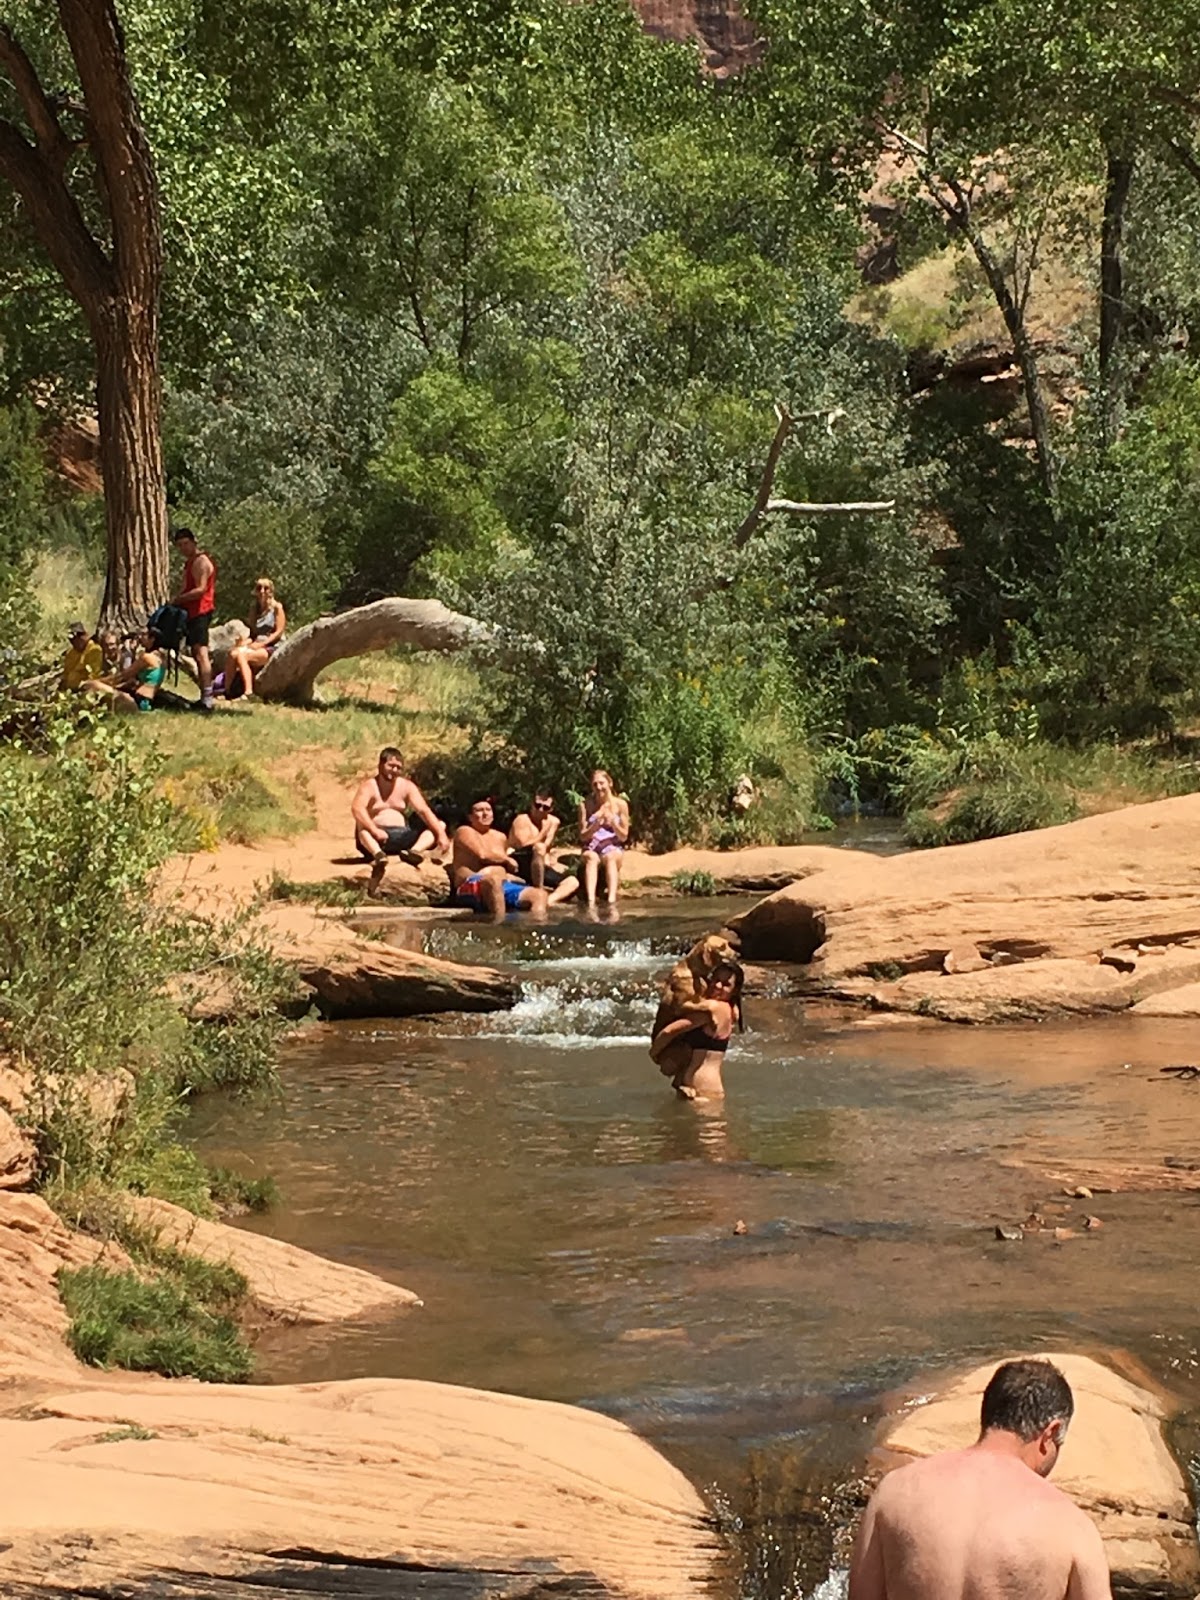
(571, 1226)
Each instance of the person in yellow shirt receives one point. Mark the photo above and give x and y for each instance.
(83, 660)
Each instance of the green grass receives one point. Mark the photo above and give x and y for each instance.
(170, 1323)
(325, 892)
(697, 883)
(234, 1194)
(987, 787)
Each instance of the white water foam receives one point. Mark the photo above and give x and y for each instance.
(551, 1014)
(835, 1587)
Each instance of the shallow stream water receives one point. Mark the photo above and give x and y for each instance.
(570, 1226)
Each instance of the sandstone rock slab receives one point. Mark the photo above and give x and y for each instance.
(243, 1491)
(1115, 1464)
(287, 1283)
(18, 1155)
(1108, 883)
(351, 976)
(767, 867)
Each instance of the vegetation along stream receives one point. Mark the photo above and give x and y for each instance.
(571, 1227)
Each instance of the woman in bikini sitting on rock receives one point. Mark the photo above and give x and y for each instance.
(709, 1038)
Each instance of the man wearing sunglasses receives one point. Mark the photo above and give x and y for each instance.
(531, 838)
(983, 1523)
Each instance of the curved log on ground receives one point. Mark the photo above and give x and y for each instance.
(292, 671)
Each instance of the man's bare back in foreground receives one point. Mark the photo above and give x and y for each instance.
(983, 1523)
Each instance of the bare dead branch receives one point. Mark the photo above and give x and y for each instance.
(821, 508)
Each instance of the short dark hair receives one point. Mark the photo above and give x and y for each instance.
(1024, 1397)
(390, 753)
(480, 800)
(544, 792)
(183, 533)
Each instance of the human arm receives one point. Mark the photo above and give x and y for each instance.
(279, 629)
(360, 810)
(474, 850)
(548, 831)
(418, 803)
(620, 820)
(868, 1579)
(1089, 1567)
(202, 571)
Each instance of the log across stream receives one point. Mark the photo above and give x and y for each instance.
(571, 1228)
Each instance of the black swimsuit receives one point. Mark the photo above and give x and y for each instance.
(697, 1039)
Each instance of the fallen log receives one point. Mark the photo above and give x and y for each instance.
(292, 671)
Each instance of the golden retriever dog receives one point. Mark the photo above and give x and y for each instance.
(684, 989)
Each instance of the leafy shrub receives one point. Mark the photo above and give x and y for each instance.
(696, 883)
(177, 1322)
(101, 975)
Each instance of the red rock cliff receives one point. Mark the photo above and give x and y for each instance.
(725, 36)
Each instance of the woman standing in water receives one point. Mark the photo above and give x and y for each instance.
(709, 1040)
(603, 831)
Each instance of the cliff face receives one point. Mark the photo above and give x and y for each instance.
(725, 37)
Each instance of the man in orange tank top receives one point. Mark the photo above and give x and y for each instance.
(197, 596)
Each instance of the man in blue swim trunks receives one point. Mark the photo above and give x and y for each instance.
(481, 869)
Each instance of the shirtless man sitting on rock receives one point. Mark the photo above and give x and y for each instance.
(381, 824)
(983, 1523)
(482, 870)
(531, 839)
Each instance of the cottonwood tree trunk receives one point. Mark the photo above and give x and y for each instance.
(117, 285)
(129, 402)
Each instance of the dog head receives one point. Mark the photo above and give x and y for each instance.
(708, 953)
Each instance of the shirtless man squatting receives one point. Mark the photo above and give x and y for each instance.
(983, 1523)
(381, 827)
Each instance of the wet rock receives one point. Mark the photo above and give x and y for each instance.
(351, 976)
(740, 1227)
(1092, 1223)
(1115, 1464)
(1012, 1235)
(1061, 1235)
(1080, 1192)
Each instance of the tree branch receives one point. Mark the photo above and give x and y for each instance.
(119, 145)
(818, 508)
(56, 218)
(52, 143)
(767, 482)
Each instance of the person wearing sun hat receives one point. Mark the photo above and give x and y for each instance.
(83, 659)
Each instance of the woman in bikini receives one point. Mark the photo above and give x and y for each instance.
(134, 687)
(267, 622)
(603, 832)
(707, 1029)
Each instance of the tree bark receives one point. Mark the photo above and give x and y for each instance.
(1118, 178)
(129, 403)
(292, 671)
(117, 288)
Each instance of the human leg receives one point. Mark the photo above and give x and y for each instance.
(526, 898)
(197, 639)
(612, 875)
(567, 885)
(252, 658)
(591, 866)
